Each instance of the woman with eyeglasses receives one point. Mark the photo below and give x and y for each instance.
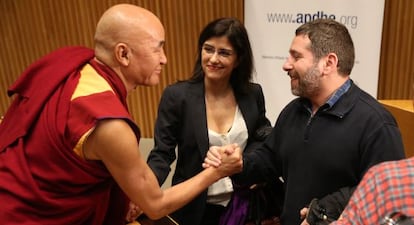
(218, 105)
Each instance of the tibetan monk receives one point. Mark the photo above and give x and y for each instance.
(69, 149)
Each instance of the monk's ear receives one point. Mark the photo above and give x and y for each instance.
(122, 52)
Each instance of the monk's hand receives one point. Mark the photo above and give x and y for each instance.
(231, 160)
(134, 212)
(213, 157)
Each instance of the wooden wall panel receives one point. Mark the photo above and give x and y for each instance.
(396, 74)
(32, 28)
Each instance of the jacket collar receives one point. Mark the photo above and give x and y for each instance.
(342, 106)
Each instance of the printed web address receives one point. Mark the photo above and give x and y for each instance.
(351, 21)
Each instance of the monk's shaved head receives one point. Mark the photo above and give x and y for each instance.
(130, 40)
(122, 23)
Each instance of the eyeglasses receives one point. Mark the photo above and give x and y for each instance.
(222, 52)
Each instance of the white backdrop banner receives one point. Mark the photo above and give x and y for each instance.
(272, 23)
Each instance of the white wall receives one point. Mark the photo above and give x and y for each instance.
(272, 23)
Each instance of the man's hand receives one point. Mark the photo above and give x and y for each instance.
(315, 214)
(213, 157)
(303, 214)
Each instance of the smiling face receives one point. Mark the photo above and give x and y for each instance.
(146, 57)
(218, 58)
(130, 40)
(304, 72)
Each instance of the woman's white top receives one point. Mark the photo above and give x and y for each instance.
(220, 191)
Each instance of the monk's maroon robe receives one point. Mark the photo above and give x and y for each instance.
(43, 177)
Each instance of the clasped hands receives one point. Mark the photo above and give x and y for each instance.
(227, 160)
(227, 157)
